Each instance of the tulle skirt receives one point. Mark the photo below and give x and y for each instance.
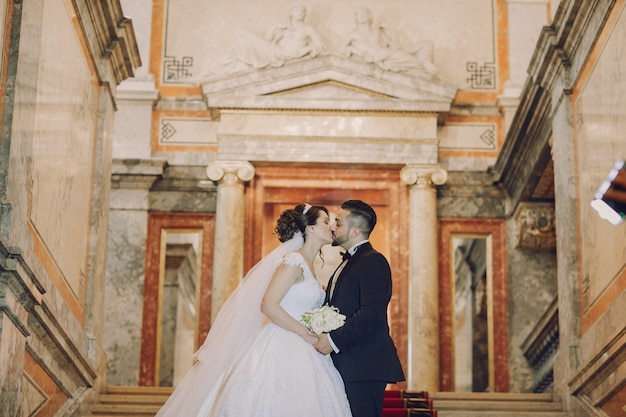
(281, 375)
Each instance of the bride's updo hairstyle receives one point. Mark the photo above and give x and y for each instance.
(296, 220)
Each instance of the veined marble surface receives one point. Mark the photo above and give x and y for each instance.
(600, 123)
(63, 148)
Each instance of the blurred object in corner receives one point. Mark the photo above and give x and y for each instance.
(610, 199)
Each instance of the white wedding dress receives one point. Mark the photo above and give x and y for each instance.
(279, 375)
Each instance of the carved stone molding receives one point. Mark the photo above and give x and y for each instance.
(330, 82)
(541, 347)
(136, 173)
(535, 226)
(230, 171)
(423, 175)
(18, 279)
(114, 36)
(600, 381)
(328, 149)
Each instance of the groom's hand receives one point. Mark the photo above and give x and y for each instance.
(311, 337)
(323, 345)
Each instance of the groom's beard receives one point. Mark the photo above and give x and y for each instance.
(339, 240)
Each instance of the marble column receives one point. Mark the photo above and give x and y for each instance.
(423, 288)
(229, 227)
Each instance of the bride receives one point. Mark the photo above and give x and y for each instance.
(246, 368)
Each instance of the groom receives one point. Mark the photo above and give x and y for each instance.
(362, 349)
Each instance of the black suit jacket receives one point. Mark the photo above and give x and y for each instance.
(362, 292)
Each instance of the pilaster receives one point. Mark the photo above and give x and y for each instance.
(124, 290)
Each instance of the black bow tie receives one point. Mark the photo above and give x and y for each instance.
(345, 255)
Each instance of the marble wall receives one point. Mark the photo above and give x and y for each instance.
(63, 151)
(56, 152)
(470, 195)
(532, 287)
(598, 114)
(128, 222)
(599, 125)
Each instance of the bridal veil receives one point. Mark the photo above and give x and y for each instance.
(229, 338)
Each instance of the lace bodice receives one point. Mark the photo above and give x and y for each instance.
(304, 295)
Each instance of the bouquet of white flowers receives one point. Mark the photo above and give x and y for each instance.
(323, 319)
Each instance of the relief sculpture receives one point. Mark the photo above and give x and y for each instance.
(536, 226)
(281, 44)
(368, 42)
(378, 44)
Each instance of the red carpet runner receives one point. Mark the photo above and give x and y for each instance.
(408, 404)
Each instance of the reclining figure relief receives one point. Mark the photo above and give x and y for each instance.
(281, 44)
(378, 44)
(369, 43)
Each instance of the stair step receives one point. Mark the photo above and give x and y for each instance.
(455, 404)
(459, 413)
(125, 410)
(118, 401)
(123, 390)
(120, 414)
(492, 396)
(134, 399)
(496, 405)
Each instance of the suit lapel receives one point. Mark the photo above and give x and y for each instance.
(332, 282)
(354, 260)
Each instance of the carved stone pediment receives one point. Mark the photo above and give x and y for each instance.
(329, 82)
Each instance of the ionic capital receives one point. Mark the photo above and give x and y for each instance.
(230, 171)
(423, 175)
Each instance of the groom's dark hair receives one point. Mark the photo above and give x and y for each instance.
(362, 215)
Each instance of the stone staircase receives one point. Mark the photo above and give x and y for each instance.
(146, 401)
(478, 404)
(130, 401)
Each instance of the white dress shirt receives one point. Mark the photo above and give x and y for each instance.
(351, 251)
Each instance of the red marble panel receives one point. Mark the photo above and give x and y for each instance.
(277, 188)
(592, 311)
(50, 397)
(616, 403)
(157, 222)
(479, 227)
(51, 267)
